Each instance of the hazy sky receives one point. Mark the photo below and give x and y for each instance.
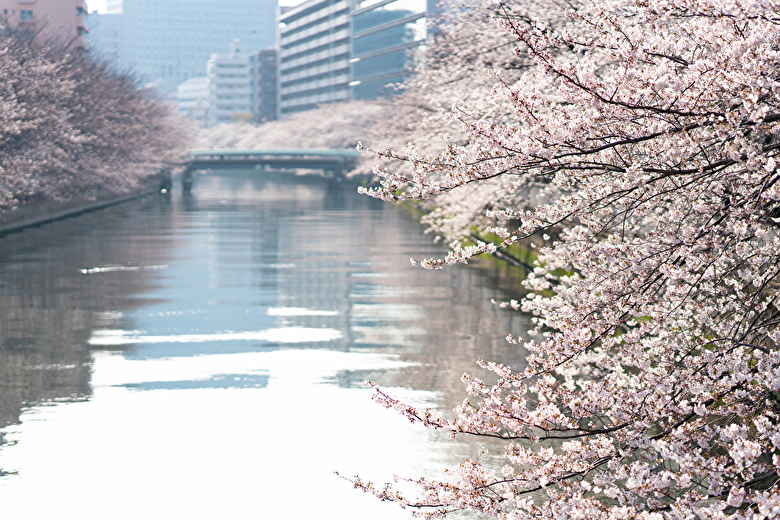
(100, 5)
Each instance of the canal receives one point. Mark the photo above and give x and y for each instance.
(205, 355)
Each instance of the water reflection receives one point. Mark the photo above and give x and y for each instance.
(209, 351)
(49, 308)
(217, 381)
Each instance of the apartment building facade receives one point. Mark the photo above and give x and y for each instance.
(314, 49)
(63, 21)
(334, 50)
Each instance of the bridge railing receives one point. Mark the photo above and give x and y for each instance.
(333, 162)
(281, 152)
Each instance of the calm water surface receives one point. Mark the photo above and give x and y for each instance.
(204, 356)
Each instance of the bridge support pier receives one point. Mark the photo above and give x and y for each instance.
(186, 179)
(337, 171)
(166, 183)
(331, 173)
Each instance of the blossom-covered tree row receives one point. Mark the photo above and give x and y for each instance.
(652, 385)
(337, 125)
(70, 128)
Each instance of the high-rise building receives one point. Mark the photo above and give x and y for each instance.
(236, 87)
(385, 36)
(63, 21)
(264, 81)
(334, 50)
(105, 36)
(313, 54)
(169, 41)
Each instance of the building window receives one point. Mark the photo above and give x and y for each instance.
(26, 15)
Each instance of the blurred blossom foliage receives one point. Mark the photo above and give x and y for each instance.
(336, 125)
(72, 128)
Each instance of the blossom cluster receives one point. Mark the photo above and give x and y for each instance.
(71, 128)
(648, 132)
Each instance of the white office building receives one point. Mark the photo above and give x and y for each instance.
(194, 99)
(230, 79)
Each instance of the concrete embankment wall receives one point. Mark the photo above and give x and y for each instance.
(47, 211)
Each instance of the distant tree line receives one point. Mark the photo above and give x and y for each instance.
(73, 128)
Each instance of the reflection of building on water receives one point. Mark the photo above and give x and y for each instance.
(356, 262)
(244, 253)
(275, 210)
(49, 307)
(326, 257)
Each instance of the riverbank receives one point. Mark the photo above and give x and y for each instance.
(48, 211)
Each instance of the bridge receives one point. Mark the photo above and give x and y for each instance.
(333, 162)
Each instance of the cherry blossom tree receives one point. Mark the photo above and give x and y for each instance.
(71, 128)
(335, 125)
(465, 59)
(651, 388)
